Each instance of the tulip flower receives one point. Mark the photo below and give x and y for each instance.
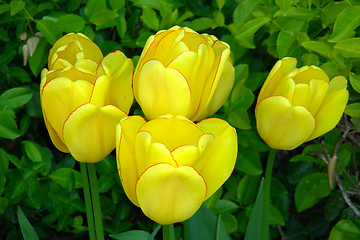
(298, 105)
(83, 96)
(169, 165)
(181, 72)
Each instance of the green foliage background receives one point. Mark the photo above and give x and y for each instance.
(47, 184)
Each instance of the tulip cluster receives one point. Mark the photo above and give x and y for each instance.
(169, 165)
(298, 105)
(83, 96)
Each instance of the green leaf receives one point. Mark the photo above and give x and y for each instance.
(16, 97)
(287, 43)
(4, 8)
(249, 28)
(257, 216)
(310, 190)
(32, 150)
(200, 24)
(92, 6)
(73, 5)
(8, 127)
(223, 206)
(3, 204)
(230, 223)
(304, 158)
(346, 22)
(275, 217)
(221, 233)
(62, 176)
(334, 205)
(40, 57)
(19, 74)
(15, 188)
(150, 18)
(349, 48)
(244, 9)
(203, 224)
(284, 5)
(345, 230)
(248, 162)
(71, 23)
(27, 230)
(117, 4)
(49, 29)
(355, 82)
(319, 47)
(247, 190)
(102, 16)
(353, 109)
(300, 13)
(239, 118)
(331, 11)
(131, 235)
(220, 3)
(16, 6)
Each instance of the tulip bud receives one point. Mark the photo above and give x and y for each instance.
(83, 97)
(169, 166)
(183, 73)
(298, 105)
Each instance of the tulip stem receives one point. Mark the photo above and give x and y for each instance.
(267, 185)
(95, 201)
(88, 204)
(168, 232)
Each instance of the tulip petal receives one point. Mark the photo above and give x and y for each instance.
(89, 132)
(148, 153)
(332, 107)
(126, 132)
(306, 73)
(311, 96)
(92, 51)
(55, 137)
(282, 68)
(285, 88)
(60, 97)
(220, 157)
(100, 95)
(186, 155)
(162, 91)
(281, 125)
(167, 194)
(221, 85)
(189, 63)
(119, 69)
(173, 131)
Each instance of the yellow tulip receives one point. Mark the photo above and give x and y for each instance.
(169, 165)
(298, 105)
(183, 73)
(83, 96)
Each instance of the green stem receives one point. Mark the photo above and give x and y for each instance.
(267, 185)
(88, 207)
(186, 229)
(95, 201)
(168, 232)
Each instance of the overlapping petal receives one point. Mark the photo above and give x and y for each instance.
(89, 132)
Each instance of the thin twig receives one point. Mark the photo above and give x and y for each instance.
(326, 158)
(281, 232)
